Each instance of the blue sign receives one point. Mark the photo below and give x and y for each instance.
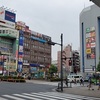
(9, 16)
(34, 65)
(19, 69)
(38, 39)
(33, 68)
(20, 53)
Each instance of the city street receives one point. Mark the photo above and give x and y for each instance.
(37, 90)
(10, 88)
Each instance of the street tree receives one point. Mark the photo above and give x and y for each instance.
(98, 66)
(52, 69)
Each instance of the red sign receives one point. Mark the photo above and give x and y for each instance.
(88, 45)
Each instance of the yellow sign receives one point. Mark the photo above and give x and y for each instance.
(88, 51)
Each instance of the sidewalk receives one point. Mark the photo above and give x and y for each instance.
(78, 90)
(83, 90)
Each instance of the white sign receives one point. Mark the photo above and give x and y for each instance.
(20, 48)
(25, 63)
(2, 13)
(7, 23)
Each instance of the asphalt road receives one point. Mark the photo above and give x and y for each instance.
(10, 88)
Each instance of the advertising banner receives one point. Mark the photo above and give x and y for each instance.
(19, 69)
(20, 48)
(88, 51)
(90, 42)
(10, 16)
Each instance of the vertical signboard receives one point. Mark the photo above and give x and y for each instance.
(90, 42)
(20, 53)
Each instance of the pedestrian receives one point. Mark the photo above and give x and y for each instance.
(90, 84)
(82, 81)
(75, 81)
(66, 82)
(99, 84)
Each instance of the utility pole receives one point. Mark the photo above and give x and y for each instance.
(61, 62)
(53, 43)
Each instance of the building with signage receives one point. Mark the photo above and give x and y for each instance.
(34, 56)
(8, 41)
(21, 49)
(89, 39)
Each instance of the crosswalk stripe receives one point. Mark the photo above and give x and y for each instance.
(12, 97)
(70, 95)
(46, 96)
(55, 96)
(26, 97)
(42, 97)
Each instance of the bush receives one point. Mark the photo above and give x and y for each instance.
(12, 78)
(55, 79)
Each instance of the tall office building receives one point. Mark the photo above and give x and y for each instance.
(89, 39)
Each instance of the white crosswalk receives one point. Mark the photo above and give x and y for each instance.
(46, 96)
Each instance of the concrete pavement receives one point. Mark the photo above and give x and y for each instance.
(83, 90)
(76, 89)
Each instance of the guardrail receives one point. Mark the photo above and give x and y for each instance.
(68, 85)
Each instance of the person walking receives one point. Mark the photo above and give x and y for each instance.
(99, 84)
(90, 84)
(66, 82)
(82, 81)
(75, 81)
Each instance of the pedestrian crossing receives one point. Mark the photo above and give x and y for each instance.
(46, 96)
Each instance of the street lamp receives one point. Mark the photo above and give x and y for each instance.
(53, 43)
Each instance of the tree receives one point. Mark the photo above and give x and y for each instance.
(98, 66)
(52, 69)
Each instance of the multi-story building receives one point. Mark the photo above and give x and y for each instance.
(76, 61)
(34, 53)
(8, 41)
(89, 39)
(67, 53)
(21, 49)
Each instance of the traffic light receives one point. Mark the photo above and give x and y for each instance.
(70, 62)
(51, 43)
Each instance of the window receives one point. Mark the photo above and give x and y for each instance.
(3, 31)
(6, 31)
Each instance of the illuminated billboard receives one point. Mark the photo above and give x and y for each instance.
(90, 42)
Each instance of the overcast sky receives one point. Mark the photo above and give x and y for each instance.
(51, 17)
